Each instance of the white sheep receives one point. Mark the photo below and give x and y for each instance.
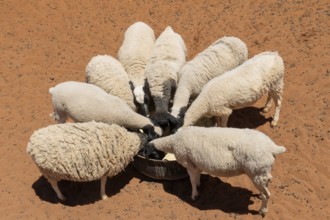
(224, 54)
(85, 102)
(109, 74)
(83, 152)
(137, 45)
(167, 58)
(222, 152)
(239, 88)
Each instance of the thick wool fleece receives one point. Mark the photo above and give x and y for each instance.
(108, 73)
(223, 55)
(83, 151)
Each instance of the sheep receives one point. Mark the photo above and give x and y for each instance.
(222, 152)
(138, 42)
(84, 102)
(109, 74)
(224, 54)
(83, 152)
(239, 88)
(167, 58)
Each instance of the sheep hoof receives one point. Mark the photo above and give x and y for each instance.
(263, 212)
(61, 197)
(274, 123)
(194, 198)
(104, 197)
(265, 110)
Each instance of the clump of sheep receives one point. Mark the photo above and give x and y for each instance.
(134, 52)
(109, 74)
(221, 56)
(85, 102)
(83, 152)
(222, 152)
(217, 80)
(240, 87)
(167, 58)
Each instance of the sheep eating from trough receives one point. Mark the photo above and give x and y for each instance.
(167, 58)
(109, 74)
(85, 102)
(83, 152)
(138, 42)
(240, 87)
(224, 54)
(222, 152)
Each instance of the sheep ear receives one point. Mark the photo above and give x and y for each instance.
(147, 150)
(150, 131)
(174, 122)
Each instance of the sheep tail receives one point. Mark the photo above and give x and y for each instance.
(278, 150)
(51, 89)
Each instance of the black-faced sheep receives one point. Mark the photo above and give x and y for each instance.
(85, 102)
(240, 87)
(138, 42)
(223, 55)
(222, 152)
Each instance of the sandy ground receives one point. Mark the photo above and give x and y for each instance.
(47, 42)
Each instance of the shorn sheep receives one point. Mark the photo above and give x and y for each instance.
(239, 88)
(224, 54)
(85, 102)
(222, 152)
(109, 74)
(167, 58)
(83, 152)
(139, 40)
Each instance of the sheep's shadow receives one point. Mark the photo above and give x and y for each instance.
(82, 193)
(213, 194)
(249, 117)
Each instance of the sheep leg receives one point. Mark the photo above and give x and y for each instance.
(59, 116)
(103, 183)
(261, 182)
(224, 118)
(54, 185)
(268, 104)
(194, 175)
(278, 102)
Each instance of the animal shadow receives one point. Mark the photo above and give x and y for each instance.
(82, 193)
(213, 194)
(249, 117)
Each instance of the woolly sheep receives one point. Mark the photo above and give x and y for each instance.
(222, 152)
(109, 74)
(167, 58)
(239, 88)
(138, 42)
(85, 102)
(224, 54)
(83, 152)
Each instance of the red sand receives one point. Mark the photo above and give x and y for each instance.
(48, 42)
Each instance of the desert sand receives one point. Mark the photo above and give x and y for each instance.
(43, 43)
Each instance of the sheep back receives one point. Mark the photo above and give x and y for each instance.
(245, 84)
(167, 58)
(221, 56)
(221, 151)
(108, 73)
(83, 151)
(137, 45)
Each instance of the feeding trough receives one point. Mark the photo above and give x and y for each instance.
(159, 169)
